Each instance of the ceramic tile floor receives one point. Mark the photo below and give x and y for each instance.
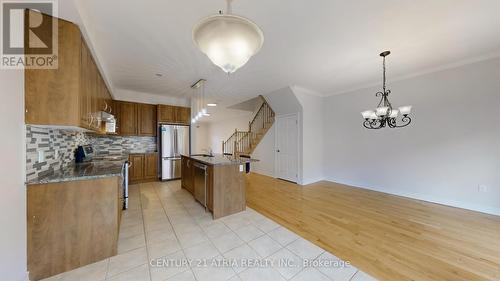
(164, 227)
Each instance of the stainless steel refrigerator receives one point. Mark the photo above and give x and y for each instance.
(174, 142)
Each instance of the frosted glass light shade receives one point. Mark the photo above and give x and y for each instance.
(394, 113)
(405, 110)
(382, 111)
(229, 41)
(367, 114)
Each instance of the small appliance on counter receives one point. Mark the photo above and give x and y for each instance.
(84, 153)
(79, 154)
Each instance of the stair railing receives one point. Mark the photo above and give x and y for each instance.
(242, 142)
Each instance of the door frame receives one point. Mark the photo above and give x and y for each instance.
(298, 179)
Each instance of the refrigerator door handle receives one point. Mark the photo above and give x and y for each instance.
(176, 151)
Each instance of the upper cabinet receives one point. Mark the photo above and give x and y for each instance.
(146, 119)
(75, 93)
(135, 119)
(72, 94)
(174, 114)
(52, 95)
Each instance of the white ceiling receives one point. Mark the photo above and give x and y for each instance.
(328, 46)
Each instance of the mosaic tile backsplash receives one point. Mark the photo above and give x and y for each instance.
(116, 145)
(58, 146)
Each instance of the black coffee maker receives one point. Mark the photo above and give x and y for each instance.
(79, 154)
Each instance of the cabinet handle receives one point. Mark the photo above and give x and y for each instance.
(91, 120)
(110, 109)
(105, 106)
(130, 164)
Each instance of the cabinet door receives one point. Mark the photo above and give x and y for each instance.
(187, 174)
(85, 91)
(136, 170)
(151, 166)
(94, 88)
(128, 119)
(146, 119)
(183, 115)
(52, 95)
(166, 113)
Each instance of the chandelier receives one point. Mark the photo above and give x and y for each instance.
(385, 115)
(228, 40)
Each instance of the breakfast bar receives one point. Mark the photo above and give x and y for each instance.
(217, 182)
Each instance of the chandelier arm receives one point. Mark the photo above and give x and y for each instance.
(406, 121)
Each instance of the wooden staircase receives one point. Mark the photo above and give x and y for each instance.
(243, 143)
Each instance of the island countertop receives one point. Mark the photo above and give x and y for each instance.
(219, 159)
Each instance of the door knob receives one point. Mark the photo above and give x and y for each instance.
(277, 150)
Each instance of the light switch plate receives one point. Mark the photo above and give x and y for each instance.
(241, 168)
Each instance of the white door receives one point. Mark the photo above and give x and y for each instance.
(287, 136)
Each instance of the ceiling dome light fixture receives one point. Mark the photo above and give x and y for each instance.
(384, 115)
(228, 40)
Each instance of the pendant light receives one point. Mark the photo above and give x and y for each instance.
(228, 40)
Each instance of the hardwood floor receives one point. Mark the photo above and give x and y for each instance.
(389, 237)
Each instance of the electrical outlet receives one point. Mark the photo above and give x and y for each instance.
(41, 156)
(241, 168)
(482, 188)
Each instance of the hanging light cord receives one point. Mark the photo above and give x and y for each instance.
(229, 9)
(384, 79)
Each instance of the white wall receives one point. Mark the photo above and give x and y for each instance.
(452, 146)
(200, 143)
(311, 133)
(133, 96)
(222, 130)
(12, 175)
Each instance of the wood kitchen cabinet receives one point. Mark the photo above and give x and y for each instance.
(52, 95)
(187, 174)
(151, 166)
(136, 168)
(174, 114)
(126, 118)
(72, 94)
(144, 167)
(146, 119)
(135, 119)
(71, 224)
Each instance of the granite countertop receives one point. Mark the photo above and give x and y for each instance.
(219, 159)
(83, 171)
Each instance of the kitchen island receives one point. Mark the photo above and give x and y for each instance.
(216, 182)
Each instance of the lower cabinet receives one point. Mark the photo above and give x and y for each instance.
(143, 167)
(187, 174)
(71, 224)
